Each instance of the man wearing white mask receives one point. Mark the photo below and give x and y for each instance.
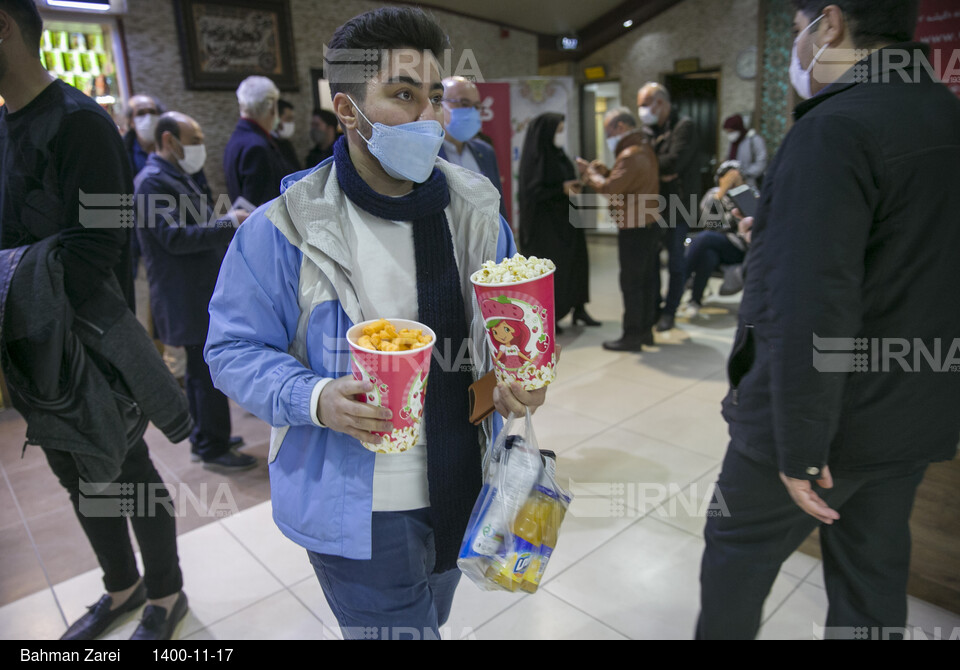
(851, 248)
(381, 229)
(182, 249)
(677, 144)
(143, 112)
(462, 110)
(283, 136)
(634, 176)
(252, 163)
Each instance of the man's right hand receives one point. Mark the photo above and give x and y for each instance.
(339, 410)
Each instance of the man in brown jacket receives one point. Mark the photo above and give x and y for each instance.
(634, 185)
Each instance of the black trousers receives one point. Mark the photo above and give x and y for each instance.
(209, 408)
(147, 503)
(638, 249)
(757, 526)
(673, 240)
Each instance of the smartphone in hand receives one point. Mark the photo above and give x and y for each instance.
(745, 199)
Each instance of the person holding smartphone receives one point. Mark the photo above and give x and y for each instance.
(720, 242)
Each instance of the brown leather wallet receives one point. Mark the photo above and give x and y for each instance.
(481, 398)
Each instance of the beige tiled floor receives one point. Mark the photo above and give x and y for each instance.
(639, 436)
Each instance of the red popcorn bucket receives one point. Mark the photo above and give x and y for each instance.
(399, 381)
(519, 318)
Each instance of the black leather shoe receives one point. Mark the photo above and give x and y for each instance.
(665, 323)
(99, 617)
(234, 443)
(580, 316)
(624, 344)
(157, 624)
(230, 461)
(647, 339)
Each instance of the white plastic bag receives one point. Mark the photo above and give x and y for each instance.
(515, 522)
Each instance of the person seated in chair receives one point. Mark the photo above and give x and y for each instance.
(721, 241)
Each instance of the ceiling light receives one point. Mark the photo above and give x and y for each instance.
(628, 23)
(90, 5)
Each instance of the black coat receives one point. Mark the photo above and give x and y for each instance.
(183, 260)
(677, 144)
(87, 379)
(856, 237)
(291, 163)
(252, 164)
(546, 229)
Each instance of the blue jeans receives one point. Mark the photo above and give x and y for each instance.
(394, 594)
(708, 251)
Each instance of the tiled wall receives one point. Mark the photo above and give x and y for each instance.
(157, 69)
(775, 100)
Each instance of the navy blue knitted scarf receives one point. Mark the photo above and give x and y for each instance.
(453, 451)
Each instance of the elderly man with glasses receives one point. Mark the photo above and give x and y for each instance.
(462, 111)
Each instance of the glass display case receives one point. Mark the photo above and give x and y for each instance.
(87, 54)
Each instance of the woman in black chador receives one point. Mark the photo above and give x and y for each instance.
(547, 178)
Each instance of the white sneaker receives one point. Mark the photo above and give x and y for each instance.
(691, 310)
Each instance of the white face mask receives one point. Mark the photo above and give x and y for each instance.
(647, 116)
(194, 156)
(286, 130)
(612, 143)
(146, 127)
(733, 135)
(560, 140)
(799, 77)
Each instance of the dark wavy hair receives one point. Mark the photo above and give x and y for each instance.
(872, 22)
(348, 69)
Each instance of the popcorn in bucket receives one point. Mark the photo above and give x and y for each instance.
(398, 374)
(517, 303)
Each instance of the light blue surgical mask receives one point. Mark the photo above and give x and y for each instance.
(407, 151)
(464, 123)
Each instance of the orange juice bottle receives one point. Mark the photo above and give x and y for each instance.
(551, 512)
(511, 567)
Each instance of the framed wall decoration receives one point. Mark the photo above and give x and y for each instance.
(223, 42)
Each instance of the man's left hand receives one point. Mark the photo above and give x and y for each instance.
(513, 399)
(802, 493)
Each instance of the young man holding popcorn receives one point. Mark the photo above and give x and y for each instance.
(381, 229)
